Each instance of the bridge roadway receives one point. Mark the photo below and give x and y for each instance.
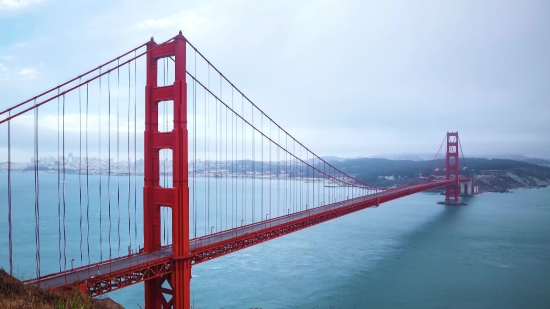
(89, 272)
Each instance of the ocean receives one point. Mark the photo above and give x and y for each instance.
(408, 253)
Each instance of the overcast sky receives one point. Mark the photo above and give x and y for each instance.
(346, 78)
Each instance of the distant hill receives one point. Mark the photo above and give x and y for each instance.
(536, 161)
(369, 169)
(426, 156)
(412, 156)
(518, 158)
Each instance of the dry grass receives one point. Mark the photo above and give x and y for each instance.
(16, 295)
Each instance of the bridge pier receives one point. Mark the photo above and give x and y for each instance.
(468, 188)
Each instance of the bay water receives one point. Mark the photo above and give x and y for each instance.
(408, 253)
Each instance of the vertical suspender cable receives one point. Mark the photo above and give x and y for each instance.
(118, 155)
(278, 171)
(262, 164)
(324, 182)
(100, 176)
(307, 168)
(128, 156)
(300, 203)
(207, 227)
(109, 159)
(80, 165)
(286, 174)
(205, 166)
(293, 171)
(218, 165)
(243, 199)
(9, 197)
(226, 169)
(87, 181)
(135, 149)
(58, 185)
(236, 158)
(64, 187)
(463, 157)
(220, 160)
(233, 209)
(252, 135)
(270, 168)
(221, 154)
(195, 151)
(216, 159)
(36, 192)
(296, 194)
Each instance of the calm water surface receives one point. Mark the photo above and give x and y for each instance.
(409, 253)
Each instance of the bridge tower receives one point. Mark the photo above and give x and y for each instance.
(452, 170)
(177, 284)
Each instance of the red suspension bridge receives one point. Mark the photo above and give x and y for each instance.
(219, 175)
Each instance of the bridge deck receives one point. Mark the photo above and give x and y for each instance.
(109, 275)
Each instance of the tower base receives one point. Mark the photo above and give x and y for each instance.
(452, 203)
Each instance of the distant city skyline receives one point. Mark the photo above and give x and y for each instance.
(405, 156)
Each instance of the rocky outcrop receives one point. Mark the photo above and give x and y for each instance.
(497, 181)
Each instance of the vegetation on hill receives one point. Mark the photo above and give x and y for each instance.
(536, 161)
(16, 295)
(372, 170)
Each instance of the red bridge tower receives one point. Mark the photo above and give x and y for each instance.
(155, 196)
(452, 170)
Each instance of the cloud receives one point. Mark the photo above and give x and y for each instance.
(376, 77)
(182, 19)
(8, 57)
(28, 73)
(17, 4)
(4, 73)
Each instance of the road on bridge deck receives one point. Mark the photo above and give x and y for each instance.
(119, 264)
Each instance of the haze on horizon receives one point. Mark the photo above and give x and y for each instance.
(348, 78)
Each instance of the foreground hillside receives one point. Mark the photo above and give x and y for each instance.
(16, 295)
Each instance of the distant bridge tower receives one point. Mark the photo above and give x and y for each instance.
(452, 170)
